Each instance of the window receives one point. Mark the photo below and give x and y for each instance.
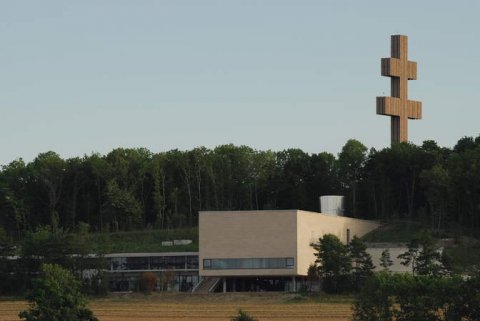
(207, 264)
(192, 262)
(129, 263)
(250, 263)
(290, 262)
(158, 263)
(348, 236)
(136, 263)
(119, 263)
(169, 263)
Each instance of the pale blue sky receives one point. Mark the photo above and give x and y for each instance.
(87, 76)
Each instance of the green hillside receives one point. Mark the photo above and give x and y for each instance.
(462, 251)
(144, 241)
(397, 232)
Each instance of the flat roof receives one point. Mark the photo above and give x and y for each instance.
(291, 210)
(111, 255)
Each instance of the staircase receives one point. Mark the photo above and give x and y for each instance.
(206, 285)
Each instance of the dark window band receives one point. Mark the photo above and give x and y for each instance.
(251, 263)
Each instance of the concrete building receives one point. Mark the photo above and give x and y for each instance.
(266, 250)
(179, 270)
(243, 251)
(395, 249)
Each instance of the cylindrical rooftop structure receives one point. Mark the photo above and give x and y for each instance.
(332, 205)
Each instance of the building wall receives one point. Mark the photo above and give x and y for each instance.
(311, 226)
(247, 234)
(269, 234)
(376, 254)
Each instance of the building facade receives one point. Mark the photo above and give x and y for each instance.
(266, 250)
(176, 271)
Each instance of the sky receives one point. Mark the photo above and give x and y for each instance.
(86, 76)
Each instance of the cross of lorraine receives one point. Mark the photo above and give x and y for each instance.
(401, 70)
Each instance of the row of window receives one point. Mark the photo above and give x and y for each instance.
(179, 282)
(252, 263)
(189, 262)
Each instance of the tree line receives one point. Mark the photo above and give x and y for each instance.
(431, 292)
(135, 188)
(346, 267)
(404, 297)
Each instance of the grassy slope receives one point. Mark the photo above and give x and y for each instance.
(398, 232)
(465, 255)
(144, 241)
(464, 252)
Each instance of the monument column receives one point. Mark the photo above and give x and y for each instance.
(397, 106)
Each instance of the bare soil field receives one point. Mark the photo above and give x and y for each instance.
(193, 307)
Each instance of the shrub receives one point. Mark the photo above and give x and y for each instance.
(149, 281)
(243, 316)
(167, 280)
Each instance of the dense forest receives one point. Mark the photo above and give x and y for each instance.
(135, 188)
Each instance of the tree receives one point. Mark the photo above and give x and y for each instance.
(49, 169)
(292, 175)
(362, 265)
(243, 316)
(46, 245)
(56, 246)
(436, 182)
(410, 256)
(423, 255)
(334, 262)
(351, 162)
(123, 207)
(312, 276)
(56, 297)
(6, 249)
(385, 260)
(404, 297)
(323, 179)
(13, 197)
(374, 301)
(74, 181)
(429, 258)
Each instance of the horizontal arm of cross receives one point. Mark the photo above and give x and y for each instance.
(392, 106)
(392, 67)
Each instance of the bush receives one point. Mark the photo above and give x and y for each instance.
(243, 316)
(374, 302)
(403, 297)
(56, 297)
(149, 282)
(167, 280)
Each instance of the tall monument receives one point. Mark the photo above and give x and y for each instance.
(398, 107)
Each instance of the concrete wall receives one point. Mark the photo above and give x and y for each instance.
(375, 250)
(247, 234)
(311, 226)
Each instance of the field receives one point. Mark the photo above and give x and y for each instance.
(187, 307)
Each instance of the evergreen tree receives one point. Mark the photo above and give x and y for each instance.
(362, 265)
(385, 260)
